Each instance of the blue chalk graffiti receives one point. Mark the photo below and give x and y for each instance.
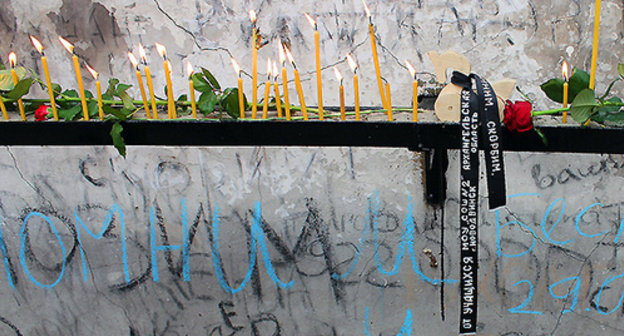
(23, 250)
(5, 258)
(546, 215)
(108, 220)
(406, 329)
(577, 222)
(574, 292)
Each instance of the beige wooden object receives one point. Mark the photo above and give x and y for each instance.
(447, 106)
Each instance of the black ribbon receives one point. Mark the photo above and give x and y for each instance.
(479, 119)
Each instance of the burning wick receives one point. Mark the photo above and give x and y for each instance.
(565, 69)
(282, 58)
(83, 99)
(98, 88)
(135, 64)
(412, 71)
(356, 86)
(148, 78)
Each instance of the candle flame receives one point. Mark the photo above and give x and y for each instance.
(161, 50)
(338, 75)
(310, 19)
(291, 59)
(366, 9)
(282, 56)
(92, 72)
(189, 69)
(142, 54)
(133, 60)
(410, 68)
(275, 72)
(236, 67)
(37, 44)
(252, 16)
(67, 45)
(565, 69)
(352, 63)
(12, 59)
(269, 73)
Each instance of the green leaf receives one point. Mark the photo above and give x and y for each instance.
(118, 140)
(554, 89)
(92, 107)
(120, 114)
(127, 101)
(621, 70)
(211, 79)
(112, 85)
(21, 89)
(609, 89)
(122, 88)
(229, 102)
(200, 83)
(578, 82)
(207, 102)
(610, 114)
(88, 94)
(2, 67)
(57, 89)
(583, 105)
(70, 114)
(6, 78)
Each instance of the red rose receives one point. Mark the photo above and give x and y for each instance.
(518, 116)
(41, 113)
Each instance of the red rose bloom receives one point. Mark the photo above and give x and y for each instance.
(41, 113)
(518, 116)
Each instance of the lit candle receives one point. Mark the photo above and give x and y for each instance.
(282, 58)
(135, 65)
(371, 32)
(278, 99)
(341, 94)
(297, 84)
(319, 79)
(189, 72)
(565, 69)
(254, 65)
(98, 89)
(148, 78)
(167, 66)
(83, 98)
(267, 91)
(389, 102)
(415, 91)
(592, 78)
(44, 63)
(241, 100)
(356, 86)
(13, 62)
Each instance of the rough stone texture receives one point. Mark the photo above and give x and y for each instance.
(324, 211)
(519, 39)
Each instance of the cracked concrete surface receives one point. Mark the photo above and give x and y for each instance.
(519, 39)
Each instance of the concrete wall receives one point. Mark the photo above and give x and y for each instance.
(519, 39)
(338, 249)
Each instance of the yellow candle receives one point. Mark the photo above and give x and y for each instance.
(284, 80)
(148, 78)
(241, 100)
(135, 64)
(297, 84)
(267, 91)
(340, 94)
(389, 102)
(3, 108)
(170, 100)
(317, 51)
(254, 65)
(189, 71)
(592, 78)
(565, 70)
(356, 86)
(13, 62)
(278, 99)
(414, 91)
(371, 32)
(44, 63)
(83, 99)
(98, 89)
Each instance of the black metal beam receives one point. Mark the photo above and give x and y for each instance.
(415, 136)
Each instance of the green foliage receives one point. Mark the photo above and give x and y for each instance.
(229, 102)
(554, 87)
(21, 89)
(118, 140)
(583, 105)
(207, 102)
(6, 78)
(621, 70)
